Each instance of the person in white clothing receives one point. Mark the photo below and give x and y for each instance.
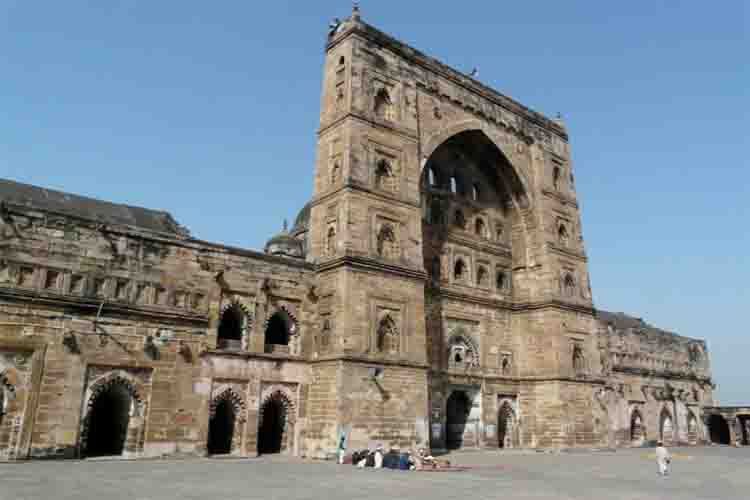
(379, 457)
(663, 459)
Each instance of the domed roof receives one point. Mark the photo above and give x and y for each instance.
(284, 244)
(302, 221)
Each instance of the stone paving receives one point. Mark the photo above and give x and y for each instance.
(699, 473)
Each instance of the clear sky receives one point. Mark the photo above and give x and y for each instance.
(209, 110)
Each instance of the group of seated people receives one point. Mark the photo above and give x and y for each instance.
(394, 459)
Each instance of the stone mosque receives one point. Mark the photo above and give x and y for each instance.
(434, 292)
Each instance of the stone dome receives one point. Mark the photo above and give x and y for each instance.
(285, 245)
(302, 221)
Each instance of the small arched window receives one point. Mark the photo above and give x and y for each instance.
(482, 276)
(325, 336)
(480, 229)
(562, 234)
(579, 362)
(431, 177)
(331, 241)
(280, 327)
(506, 365)
(335, 173)
(475, 192)
(500, 231)
(388, 337)
(459, 270)
(384, 176)
(569, 285)
(387, 244)
(342, 60)
(230, 328)
(459, 220)
(384, 105)
(556, 178)
(454, 185)
(501, 281)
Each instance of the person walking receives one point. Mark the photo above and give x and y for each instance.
(663, 459)
(342, 448)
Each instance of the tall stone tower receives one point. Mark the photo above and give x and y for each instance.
(454, 295)
(365, 235)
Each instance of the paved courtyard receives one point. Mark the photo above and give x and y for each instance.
(714, 472)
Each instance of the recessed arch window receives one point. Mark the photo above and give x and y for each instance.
(325, 336)
(387, 242)
(502, 282)
(230, 328)
(384, 178)
(331, 241)
(579, 361)
(342, 60)
(556, 178)
(280, 327)
(454, 184)
(500, 231)
(480, 228)
(482, 277)
(459, 270)
(335, 173)
(475, 192)
(384, 105)
(562, 234)
(388, 336)
(459, 220)
(569, 285)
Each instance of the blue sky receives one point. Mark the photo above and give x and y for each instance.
(209, 110)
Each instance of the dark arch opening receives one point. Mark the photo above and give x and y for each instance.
(636, 427)
(505, 426)
(230, 329)
(459, 270)
(666, 428)
(480, 228)
(457, 412)
(271, 432)
(221, 429)
(719, 430)
(278, 329)
(108, 422)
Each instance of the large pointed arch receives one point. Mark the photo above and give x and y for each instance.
(491, 156)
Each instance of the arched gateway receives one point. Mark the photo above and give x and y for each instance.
(108, 420)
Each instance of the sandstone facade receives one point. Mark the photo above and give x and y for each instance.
(433, 292)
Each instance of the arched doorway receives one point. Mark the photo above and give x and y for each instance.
(506, 426)
(719, 430)
(666, 428)
(109, 416)
(636, 428)
(229, 335)
(221, 428)
(271, 432)
(457, 412)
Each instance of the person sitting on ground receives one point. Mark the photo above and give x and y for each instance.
(424, 460)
